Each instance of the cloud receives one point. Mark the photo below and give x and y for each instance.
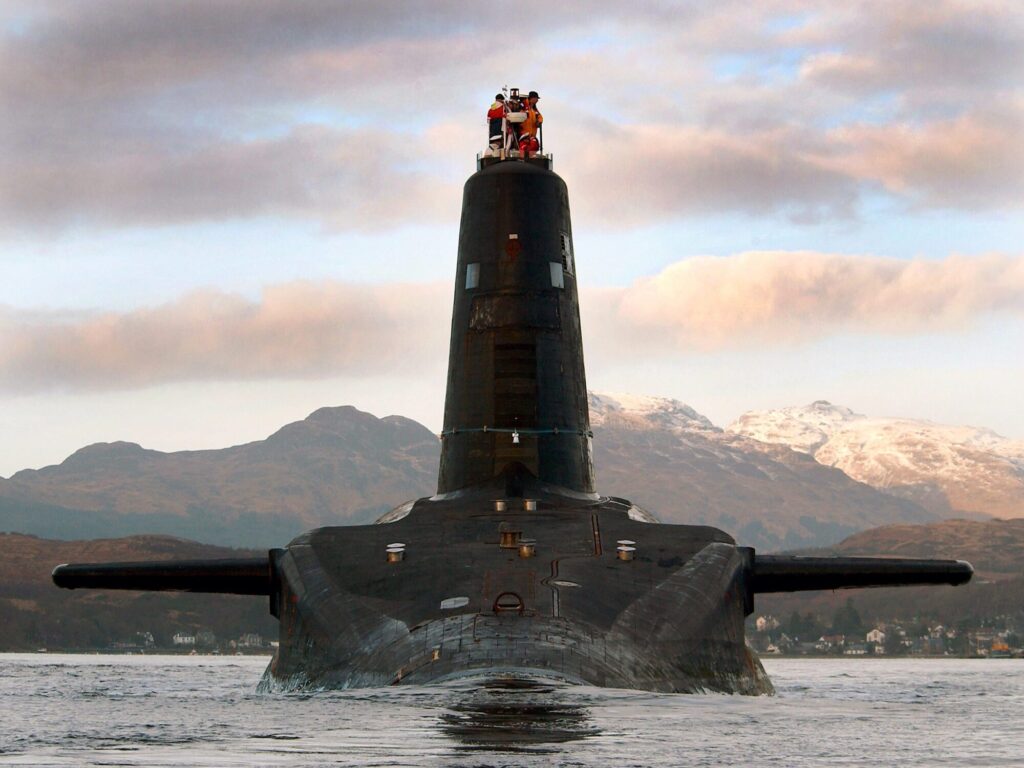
(357, 180)
(295, 330)
(125, 114)
(315, 330)
(975, 161)
(952, 46)
(116, 50)
(791, 297)
(639, 174)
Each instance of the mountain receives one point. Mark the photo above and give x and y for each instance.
(646, 412)
(37, 614)
(668, 458)
(337, 466)
(994, 547)
(947, 469)
(344, 466)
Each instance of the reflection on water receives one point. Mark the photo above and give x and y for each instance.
(147, 711)
(514, 715)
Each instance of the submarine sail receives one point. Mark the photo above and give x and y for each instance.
(516, 360)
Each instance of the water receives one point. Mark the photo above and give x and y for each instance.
(203, 711)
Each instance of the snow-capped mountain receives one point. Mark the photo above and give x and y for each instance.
(670, 459)
(946, 468)
(645, 412)
(804, 428)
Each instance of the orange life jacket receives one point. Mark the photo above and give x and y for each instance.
(533, 119)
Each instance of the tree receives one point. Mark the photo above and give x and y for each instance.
(894, 643)
(847, 621)
(793, 626)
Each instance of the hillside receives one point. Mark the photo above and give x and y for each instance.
(668, 458)
(343, 466)
(994, 547)
(37, 614)
(337, 466)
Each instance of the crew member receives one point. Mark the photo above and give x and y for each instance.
(534, 118)
(495, 116)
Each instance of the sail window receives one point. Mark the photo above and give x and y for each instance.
(557, 277)
(472, 276)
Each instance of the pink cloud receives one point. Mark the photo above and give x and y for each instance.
(785, 297)
(295, 330)
(347, 179)
(638, 174)
(307, 330)
(118, 114)
(972, 161)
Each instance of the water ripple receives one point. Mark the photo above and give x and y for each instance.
(172, 711)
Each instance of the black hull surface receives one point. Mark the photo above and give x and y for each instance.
(459, 604)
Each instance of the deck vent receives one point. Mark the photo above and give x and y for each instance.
(395, 552)
(530, 505)
(509, 536)
(527, 547)
(500, 505)
(625, 552)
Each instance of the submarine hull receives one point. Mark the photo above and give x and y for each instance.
(458, 603)
(462, 598)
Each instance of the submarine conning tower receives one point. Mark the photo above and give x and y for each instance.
(516, 401)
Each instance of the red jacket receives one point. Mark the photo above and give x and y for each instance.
(497, 111)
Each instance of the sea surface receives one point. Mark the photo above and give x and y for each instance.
(81, 710)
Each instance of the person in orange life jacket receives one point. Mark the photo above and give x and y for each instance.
(533, 116)
(494, 117)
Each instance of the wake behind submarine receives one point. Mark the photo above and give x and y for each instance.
(517, 566)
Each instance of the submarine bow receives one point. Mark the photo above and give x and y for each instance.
(517, 566)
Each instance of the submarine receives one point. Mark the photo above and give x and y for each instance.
(517, 567)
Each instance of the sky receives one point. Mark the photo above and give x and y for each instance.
(218, 216)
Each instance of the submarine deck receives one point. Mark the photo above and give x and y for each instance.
(580, 589)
